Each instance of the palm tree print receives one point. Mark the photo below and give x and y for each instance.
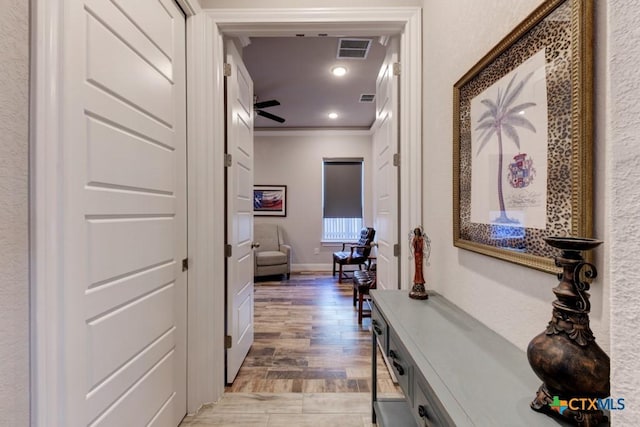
(502, 118)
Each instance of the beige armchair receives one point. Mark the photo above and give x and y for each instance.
(272, 256)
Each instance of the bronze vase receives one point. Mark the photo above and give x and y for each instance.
(573, 368)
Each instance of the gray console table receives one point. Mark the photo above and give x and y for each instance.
(452, 369)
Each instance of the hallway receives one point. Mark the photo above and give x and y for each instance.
(310, 363)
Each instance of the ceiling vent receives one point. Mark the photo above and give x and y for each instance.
(367, 97)
(353, 48)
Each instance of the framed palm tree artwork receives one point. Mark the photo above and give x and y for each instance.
(522, 139)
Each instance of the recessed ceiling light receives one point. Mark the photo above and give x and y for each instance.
(339, 71)
(333, 115)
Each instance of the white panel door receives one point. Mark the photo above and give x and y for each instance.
(239, 211)
(385, 143)
(125, 220)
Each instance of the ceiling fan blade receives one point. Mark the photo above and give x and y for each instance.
(270, 116)
(266, 104)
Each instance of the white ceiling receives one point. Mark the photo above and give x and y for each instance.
(296, 72)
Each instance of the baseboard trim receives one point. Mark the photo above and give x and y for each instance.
(297, 268)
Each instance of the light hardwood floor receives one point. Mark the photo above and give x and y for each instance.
(310, 363)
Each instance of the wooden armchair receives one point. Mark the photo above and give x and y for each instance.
(356, 254)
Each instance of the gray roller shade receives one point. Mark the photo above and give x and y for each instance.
(342, 189)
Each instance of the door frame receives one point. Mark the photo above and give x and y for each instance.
(205, 103)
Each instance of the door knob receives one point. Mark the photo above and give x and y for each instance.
(255, 245)
(422, 411)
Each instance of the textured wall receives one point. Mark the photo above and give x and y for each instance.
(14, 284)
(296, 161)
(513, 300)
(623, 176)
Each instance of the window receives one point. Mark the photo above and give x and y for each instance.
(341, 199)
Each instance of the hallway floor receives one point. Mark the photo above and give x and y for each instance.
(310, 363)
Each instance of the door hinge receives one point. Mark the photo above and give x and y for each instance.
(228, 341)
(228, 160)
(226, 69)
(396, 250)
(227, 251)
(396, 68)
(396, 159)
(185, 264)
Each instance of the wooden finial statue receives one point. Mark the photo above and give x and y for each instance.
(420, 249)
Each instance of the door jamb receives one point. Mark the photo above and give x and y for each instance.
(205, 56)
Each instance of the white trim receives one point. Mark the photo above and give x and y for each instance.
(205, 382)
(206, 118)
(384, 40)
(46, 201)
(313, 132)
(321, 268)
(352, 21)
(244, 41)
(189, 7)
(335, 243)
(410, 139)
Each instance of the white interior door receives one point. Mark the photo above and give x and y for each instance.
(124, 132)
(239, 211)
(385, 143)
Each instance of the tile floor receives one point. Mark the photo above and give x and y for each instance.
(286, 409)
(310, 363)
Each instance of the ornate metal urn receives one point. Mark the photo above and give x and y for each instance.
(573, 368)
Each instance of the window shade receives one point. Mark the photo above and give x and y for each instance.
(342, 189)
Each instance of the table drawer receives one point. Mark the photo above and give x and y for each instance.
(380, 328)
(427, 409)
(401, 363)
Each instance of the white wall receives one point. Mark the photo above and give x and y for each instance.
(513, 300)
(296, 161)
(619, 134)
(14, 277)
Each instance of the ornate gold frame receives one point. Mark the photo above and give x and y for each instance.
(581, 113)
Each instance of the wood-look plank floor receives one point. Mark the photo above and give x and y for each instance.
(285, 410)
(307, 340)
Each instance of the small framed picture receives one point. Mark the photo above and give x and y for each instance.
(270, 200)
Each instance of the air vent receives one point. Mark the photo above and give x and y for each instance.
(367, 97)
(353, 48)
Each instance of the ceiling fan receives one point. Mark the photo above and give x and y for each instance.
(258, 106)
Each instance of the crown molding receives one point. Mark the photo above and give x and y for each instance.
(313, 132)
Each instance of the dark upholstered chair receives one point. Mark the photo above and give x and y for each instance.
(354, 253)
(363, 281)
